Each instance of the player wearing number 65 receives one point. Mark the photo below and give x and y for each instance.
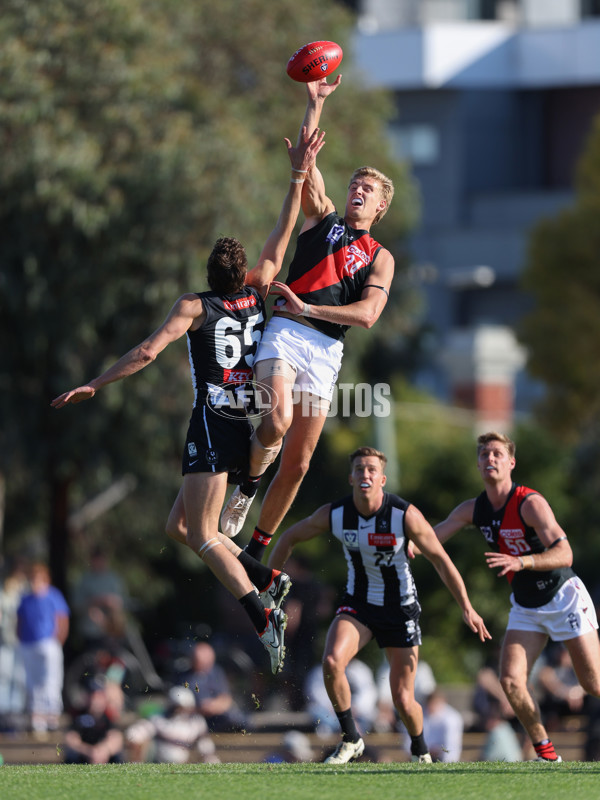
(223, 327)
(548, 599)
(381, 601)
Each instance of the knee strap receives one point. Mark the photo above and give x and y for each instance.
(261, 455)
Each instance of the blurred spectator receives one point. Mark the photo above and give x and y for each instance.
(42, 628)
(501, 742)
(94, 736)
(557, 687)
(387, 717)
(309, 607)
(172, 737)
(489, 695)
(12, 672)
(211, 690)
(592, 729)
(295, 747)
(364, 698)
(443, 728)
(99, 599)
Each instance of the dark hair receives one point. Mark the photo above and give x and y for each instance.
(227, 266)
(368, 451)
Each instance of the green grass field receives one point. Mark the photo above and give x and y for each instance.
(462, 781)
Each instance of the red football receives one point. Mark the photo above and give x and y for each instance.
(314, 61)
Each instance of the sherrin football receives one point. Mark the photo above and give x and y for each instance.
(314, 61)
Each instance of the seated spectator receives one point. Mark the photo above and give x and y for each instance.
(489, 696)
(94, 736)
(364, 698)
(212, 692)
(443, 728)
(501, 742)
(295, 747)
(387, 717)
(172, 737)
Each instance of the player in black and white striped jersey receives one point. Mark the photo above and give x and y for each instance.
(381, 600)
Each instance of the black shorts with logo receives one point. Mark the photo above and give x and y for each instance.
(216, 443)
(391, 628)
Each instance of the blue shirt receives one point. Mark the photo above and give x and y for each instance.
(37, 615)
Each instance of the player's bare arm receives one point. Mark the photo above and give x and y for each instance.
(302, 156)
(422, 534)
(187, 314)
(364, 313)
(303, 531)
(457, 519)
(537, 513)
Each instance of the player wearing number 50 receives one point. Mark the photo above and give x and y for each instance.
(223, 328)
(381, 600)
(548, 599)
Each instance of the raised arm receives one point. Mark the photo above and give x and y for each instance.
(302, 157)
(186, 312)
(302, 531)
(423, 535)
(457, 519)
(315, 203)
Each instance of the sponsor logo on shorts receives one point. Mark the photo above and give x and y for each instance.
(382, 539)
(192, 450)
(573, 620)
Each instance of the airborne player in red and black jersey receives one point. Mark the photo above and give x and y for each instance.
(339, 277)
(223, 328)
(548, 599)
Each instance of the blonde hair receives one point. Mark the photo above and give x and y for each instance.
(494, 436)
(368, 451)
(386, 187)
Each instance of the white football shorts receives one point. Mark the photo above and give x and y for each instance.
(569, 614)
(316, 357)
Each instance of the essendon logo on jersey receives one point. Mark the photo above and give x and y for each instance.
(382, 539)
(237, 375)
(243, 302)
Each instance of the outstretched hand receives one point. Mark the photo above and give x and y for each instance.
(292, 303)
(303, 155)
(74, 396)
(322, 89)
(477, 625)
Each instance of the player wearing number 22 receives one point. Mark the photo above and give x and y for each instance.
(223, 327)
(381, 603)
(548, 599)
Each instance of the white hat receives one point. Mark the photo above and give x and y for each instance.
(182, 697)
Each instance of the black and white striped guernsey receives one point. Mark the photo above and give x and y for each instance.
(375, 549)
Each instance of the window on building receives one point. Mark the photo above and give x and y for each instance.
(417, 143)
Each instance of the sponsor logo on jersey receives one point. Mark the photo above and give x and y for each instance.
(357, 259)
(237, 375)
(240, 303)
(192, 450)
(511, 533)
(335, 234)
(350, 539)
(382, 539)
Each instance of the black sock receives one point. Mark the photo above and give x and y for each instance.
(249, 485)
(260, 575)
(417, 745)
(255, 610)
(349, 730)
(258, 544)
